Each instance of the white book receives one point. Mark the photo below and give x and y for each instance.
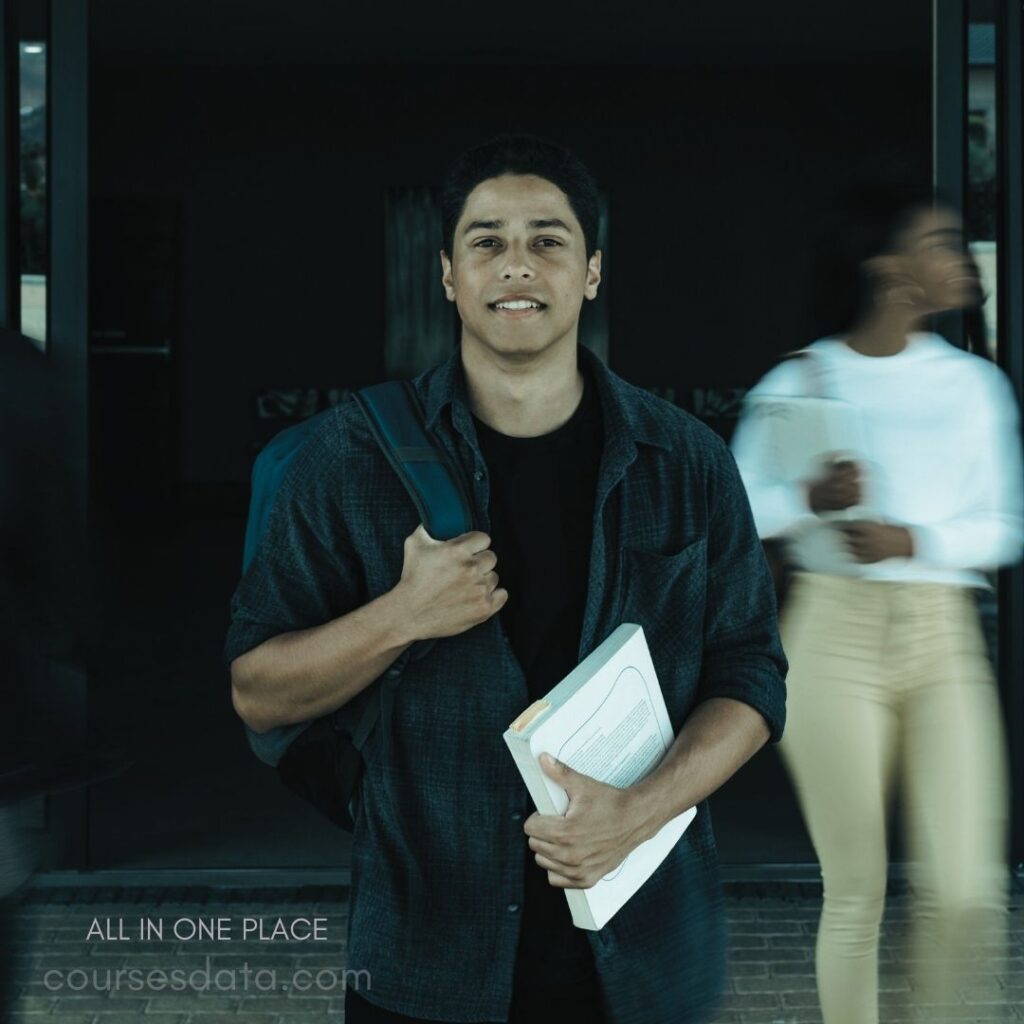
(801, 436)
(606, 719)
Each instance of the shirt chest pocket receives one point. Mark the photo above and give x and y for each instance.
(666, 594)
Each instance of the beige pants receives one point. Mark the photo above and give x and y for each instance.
(889, 685)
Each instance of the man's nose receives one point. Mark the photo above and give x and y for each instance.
(517, 264)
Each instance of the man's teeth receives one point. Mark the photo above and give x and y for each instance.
(517, 304)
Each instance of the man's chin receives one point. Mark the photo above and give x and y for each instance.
(521, 349)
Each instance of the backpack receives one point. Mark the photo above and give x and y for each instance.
(321, 761)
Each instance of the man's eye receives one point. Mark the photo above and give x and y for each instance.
(553, 241)
(482, 243)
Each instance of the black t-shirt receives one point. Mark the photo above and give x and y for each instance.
(542, 493)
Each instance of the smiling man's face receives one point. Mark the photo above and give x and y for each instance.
(518, 271)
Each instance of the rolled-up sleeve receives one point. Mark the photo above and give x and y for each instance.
(743, 657)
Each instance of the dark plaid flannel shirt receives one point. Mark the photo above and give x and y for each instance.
(438, 858)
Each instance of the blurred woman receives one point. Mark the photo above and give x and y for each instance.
(889, 683)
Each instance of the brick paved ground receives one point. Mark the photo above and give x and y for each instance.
(772, 980)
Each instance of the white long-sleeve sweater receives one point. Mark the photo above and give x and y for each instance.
(943, 457)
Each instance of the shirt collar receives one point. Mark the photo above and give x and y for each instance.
(630, 414)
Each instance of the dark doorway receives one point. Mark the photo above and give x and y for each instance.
(252, 162)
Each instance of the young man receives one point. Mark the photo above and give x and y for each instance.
(597, 504)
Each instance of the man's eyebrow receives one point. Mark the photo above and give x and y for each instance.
(956, 232)
(485, 225)
(495, 225)
(550, 222)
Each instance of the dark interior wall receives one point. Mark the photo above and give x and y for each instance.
(713, 177)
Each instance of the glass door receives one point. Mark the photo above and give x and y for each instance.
(978, 123)
(44, 419)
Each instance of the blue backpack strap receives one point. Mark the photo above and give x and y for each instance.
(396, 420)
(395, 417)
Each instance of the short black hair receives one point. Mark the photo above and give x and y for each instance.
(864, 222)
(520, 154)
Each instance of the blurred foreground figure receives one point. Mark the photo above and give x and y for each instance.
(47, 624)
(889, 682)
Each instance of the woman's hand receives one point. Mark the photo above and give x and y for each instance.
(839, 488)
(874, 542)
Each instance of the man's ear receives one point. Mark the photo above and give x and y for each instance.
(446, 277)
(593, 275)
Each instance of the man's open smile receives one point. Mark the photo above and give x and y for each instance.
(516, 306)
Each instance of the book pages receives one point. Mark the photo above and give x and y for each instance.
(606, 720)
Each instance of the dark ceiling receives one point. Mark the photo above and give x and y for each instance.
(318, 32)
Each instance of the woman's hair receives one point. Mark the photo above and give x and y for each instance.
(864, 223)
(521, 154)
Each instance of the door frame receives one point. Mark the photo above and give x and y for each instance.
(949, 112)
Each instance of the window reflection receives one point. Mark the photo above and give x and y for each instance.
(33, 234)
(981, 216)
(981, 194)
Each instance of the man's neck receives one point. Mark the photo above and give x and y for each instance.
(523, 399)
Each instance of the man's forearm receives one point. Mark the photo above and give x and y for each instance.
(718, 738)
(307, 673)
